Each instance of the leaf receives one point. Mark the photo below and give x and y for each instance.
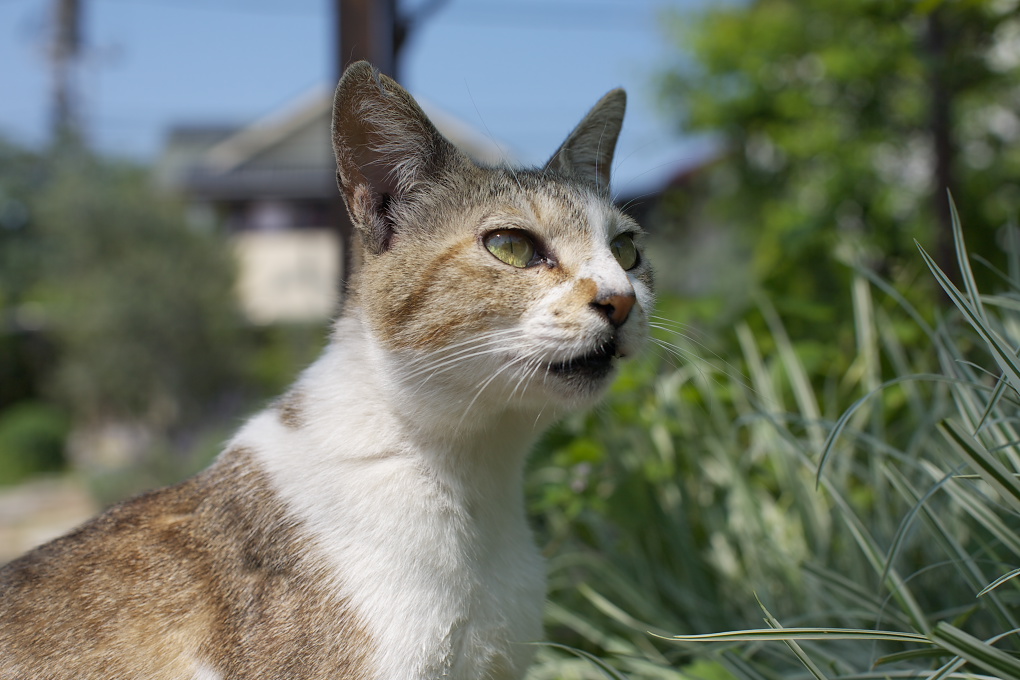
(763, 634)
(1004, 356)
(1008, 576)
(984, 463)
(976, 651)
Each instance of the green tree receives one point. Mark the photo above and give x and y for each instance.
(23, 353)
(116, 312)
(845, 122)
(139, 302)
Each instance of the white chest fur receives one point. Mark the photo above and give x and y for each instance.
(426, 539)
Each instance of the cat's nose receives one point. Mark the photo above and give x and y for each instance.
(616, 307)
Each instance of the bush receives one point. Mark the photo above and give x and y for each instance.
(874, 502)
(32, 438)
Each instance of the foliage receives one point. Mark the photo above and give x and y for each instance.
(113, 308)
(140, 304)
(31, 440)
(876, 519)
(845, 462)
(843, 124)
(23, 353)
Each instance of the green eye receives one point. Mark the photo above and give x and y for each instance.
(511, 246)
(625, 251)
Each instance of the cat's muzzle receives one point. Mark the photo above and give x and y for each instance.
(592, 366)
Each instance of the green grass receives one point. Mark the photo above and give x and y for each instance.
(761, 514)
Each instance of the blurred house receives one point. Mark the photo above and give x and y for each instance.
(273, 185)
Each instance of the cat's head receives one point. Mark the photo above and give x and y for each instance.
(524, 286)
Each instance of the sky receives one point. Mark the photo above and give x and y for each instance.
(521, 71)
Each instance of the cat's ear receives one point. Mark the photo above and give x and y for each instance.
(386, 149)
(587, 154)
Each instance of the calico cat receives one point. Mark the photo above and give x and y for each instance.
(369, 525)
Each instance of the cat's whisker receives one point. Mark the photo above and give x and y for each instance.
(686, 334)
(456, 363)
(676, 352)
(485, 384)
(715, 357)
(526, 375)
(467, 342)
(671, 325)
(443, 362)
(456, 358)
(441, 358)
(699, 363)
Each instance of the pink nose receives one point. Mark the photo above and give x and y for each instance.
(616, 307)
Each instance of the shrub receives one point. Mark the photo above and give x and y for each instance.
(872, 510)
(32, 438)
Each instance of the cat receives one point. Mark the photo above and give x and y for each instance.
(369, 525)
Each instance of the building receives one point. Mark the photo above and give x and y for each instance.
(272, 185)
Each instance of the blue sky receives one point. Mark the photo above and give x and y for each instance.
(522, 71)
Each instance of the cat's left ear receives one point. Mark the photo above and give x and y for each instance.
(587, 154)
(386, 150)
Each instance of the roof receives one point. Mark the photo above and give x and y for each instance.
(287, 154)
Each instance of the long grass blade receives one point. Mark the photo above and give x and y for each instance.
(975, 651)
(763, 634)
(985, 464)
(1004, 356)
(1008, 576)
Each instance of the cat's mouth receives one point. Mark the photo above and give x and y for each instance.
(593, 365)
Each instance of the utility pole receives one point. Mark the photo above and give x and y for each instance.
(364, 29)
(374, 31)
(65, 53)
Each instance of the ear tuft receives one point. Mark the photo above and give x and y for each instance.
(587, 153)
(386, 149)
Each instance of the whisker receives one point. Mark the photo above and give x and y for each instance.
(526, 374)
(698, 362)
(485, 384)
(455, 363)
(443, 356)
(665, 324)
(715, 355)
(440, 361)
(467, 341)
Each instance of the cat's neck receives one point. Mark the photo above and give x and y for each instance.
(358, 404)
(404, 507)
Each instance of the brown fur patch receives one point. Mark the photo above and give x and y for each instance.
(213, 571)
(585, 292)
(291, 410)
(443, 294)
(580, 296)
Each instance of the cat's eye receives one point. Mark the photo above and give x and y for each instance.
(625, 250)
(512, 246)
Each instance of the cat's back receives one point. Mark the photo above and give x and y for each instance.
(174, 583)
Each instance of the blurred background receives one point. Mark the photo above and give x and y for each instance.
(172, 235)
(171, 239)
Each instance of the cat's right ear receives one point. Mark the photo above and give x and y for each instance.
(386, 149)
(587, 154)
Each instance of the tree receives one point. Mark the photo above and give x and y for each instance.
(23, 354)
(139, 302)
(845, 122)
(118, 314)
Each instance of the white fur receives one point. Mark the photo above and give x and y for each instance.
(597, 264)
(205, 672)
(427, 539)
